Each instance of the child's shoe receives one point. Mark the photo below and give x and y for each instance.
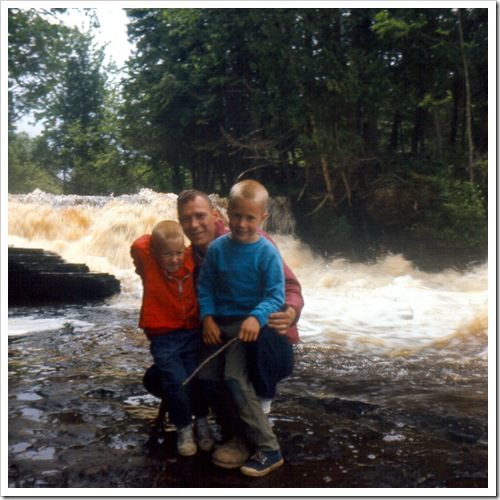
(185, 441)
(203, 434)
(262, 463)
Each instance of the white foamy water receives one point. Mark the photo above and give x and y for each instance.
(388, 306)
(22, 325)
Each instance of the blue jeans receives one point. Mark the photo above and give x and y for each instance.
(177, 354)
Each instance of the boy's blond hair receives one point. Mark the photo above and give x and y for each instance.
(165, 231)
(249, 190)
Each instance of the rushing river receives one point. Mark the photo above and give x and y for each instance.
(390, 387)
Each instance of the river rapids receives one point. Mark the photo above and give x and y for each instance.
(389, 389)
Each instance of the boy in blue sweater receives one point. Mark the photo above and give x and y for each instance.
(241, 283)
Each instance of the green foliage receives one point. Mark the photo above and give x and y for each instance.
(79, 148)
(25, 173)
(453, 211)
(38, 50)
(336, 107)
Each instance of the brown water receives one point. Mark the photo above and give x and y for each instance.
(390, 388)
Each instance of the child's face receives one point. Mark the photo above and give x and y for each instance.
(170, 255)
(245, 217)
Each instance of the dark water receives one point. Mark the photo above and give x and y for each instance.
(390, 387)
(78, 414)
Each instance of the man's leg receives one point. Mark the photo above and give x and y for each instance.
(270, 360)
(152, 383)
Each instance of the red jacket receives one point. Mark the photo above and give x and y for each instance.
(293, 290)
(169, 301)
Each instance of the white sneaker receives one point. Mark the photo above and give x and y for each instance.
(203, 434)
(185, 441)
(266, 405)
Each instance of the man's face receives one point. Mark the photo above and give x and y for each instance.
(198, 222)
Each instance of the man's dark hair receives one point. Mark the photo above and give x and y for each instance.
(190, 194)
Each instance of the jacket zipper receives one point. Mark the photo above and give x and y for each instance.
(180, 289)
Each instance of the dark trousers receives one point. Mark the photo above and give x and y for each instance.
(231, 369)
(270, 360)
(176, 355)
(152, 383)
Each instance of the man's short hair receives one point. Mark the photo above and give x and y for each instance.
(190, 194)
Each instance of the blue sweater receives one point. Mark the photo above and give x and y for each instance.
(241, 279)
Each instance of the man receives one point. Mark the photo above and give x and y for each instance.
(201, 224)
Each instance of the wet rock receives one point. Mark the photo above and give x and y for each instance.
(39, 277)
(88, 427)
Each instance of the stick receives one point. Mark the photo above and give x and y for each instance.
(232, 341)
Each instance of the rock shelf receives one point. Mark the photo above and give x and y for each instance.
(38, 277)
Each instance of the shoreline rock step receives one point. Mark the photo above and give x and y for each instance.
(38, 277)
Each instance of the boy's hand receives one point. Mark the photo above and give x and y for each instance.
(281, 321)
(249, 330)
(211, 331)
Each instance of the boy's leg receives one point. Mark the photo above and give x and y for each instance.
(193, 358)
(199, 399)
(152, 382)
(211, 378)
(167, 353)
(250, 410)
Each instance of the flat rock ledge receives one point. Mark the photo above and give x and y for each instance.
(38, 277)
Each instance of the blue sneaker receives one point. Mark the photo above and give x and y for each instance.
(262, 463)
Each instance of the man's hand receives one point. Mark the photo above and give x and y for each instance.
(281, 321)
(249, 330)
(211, 331)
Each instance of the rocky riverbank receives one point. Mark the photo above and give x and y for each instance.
(76, 426)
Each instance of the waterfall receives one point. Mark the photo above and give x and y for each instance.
(388, 306)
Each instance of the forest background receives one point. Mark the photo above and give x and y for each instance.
(371, 122)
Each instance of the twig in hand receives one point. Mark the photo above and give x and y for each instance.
(232, 341)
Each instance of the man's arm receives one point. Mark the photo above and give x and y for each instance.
(285, 322)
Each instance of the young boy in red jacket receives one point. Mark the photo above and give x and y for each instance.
(170, 319)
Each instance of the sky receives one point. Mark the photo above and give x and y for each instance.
(113, 30)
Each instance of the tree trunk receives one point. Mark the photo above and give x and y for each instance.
(468, 119)
(324, 164)
(437, 128)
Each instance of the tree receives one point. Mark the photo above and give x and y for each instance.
(80, 144)
(72, 118)
(38, 49)
(25, 174)
(329, 105)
